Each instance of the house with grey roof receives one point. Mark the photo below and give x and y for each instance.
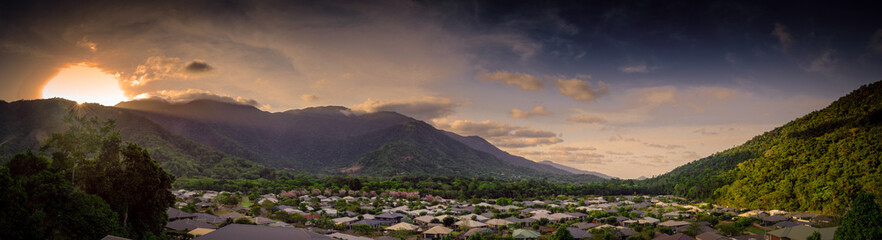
(579, 233)
(243, 231)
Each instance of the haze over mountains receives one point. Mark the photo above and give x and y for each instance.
(223, 140)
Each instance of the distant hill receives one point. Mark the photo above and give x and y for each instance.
(574, 170)
(206, 138)
(817, 162)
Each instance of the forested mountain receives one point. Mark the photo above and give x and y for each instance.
(817, 162)
(206, 138)
(331, 139)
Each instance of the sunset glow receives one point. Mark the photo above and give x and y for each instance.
(82, 83)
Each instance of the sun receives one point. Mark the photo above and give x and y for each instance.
(83, 83)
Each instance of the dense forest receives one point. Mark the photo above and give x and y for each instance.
(816, 163)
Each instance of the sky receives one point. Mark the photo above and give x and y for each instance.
(626, 88)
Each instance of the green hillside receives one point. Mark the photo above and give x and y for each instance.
(815, 163)
(418, 148)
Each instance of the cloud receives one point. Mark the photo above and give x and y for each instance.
(423, 108)
(85, 43)
(690, 155)
(663, 146)
(640, 68)
(581, 90)
(785, 39)
(619, 138)
(585, 118)
(536, 111)
(876, 41)
(183, 96)
(156, 68)
(525, 81)
(309, 98)
(564, 154)
(522, 142)
(533, 133)
(655, 96)
(702, 131)
(572, 149)
(824, 63)
(500, 134)
(655, 160)
(625, 153)
(198, 66)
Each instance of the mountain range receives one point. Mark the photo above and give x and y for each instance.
(205, 138)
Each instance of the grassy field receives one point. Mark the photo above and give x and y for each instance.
(755, 230)
(245, 202)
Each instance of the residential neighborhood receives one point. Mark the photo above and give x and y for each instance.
(356, 215)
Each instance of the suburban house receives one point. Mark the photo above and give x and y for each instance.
(436, 232)
(525, 234)
(473, 231)
(771, 220)
(185, 225)
(800, 232)
(579, 233)
(710, 236)
(677, 226)
(392, 217)
(678, 236)
(242, 231)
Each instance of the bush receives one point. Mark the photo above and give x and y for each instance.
(243, 220)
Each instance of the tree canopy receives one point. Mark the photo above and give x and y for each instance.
(93, 185)
(863, 220)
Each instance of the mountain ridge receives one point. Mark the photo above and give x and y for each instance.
(317, 140)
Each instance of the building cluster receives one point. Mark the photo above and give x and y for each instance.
(396, 217)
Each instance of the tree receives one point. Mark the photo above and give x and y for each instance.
(729, 229)
(692, 230)
(448, 221)
(243, 220)
(863, 220)
(256, 210)
(815, 236)
(562, 234)
(37, 203)
(123, 175)
(476, 236)
(228, 199)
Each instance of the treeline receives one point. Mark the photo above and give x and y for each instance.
(93, 185)
(445, 186)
